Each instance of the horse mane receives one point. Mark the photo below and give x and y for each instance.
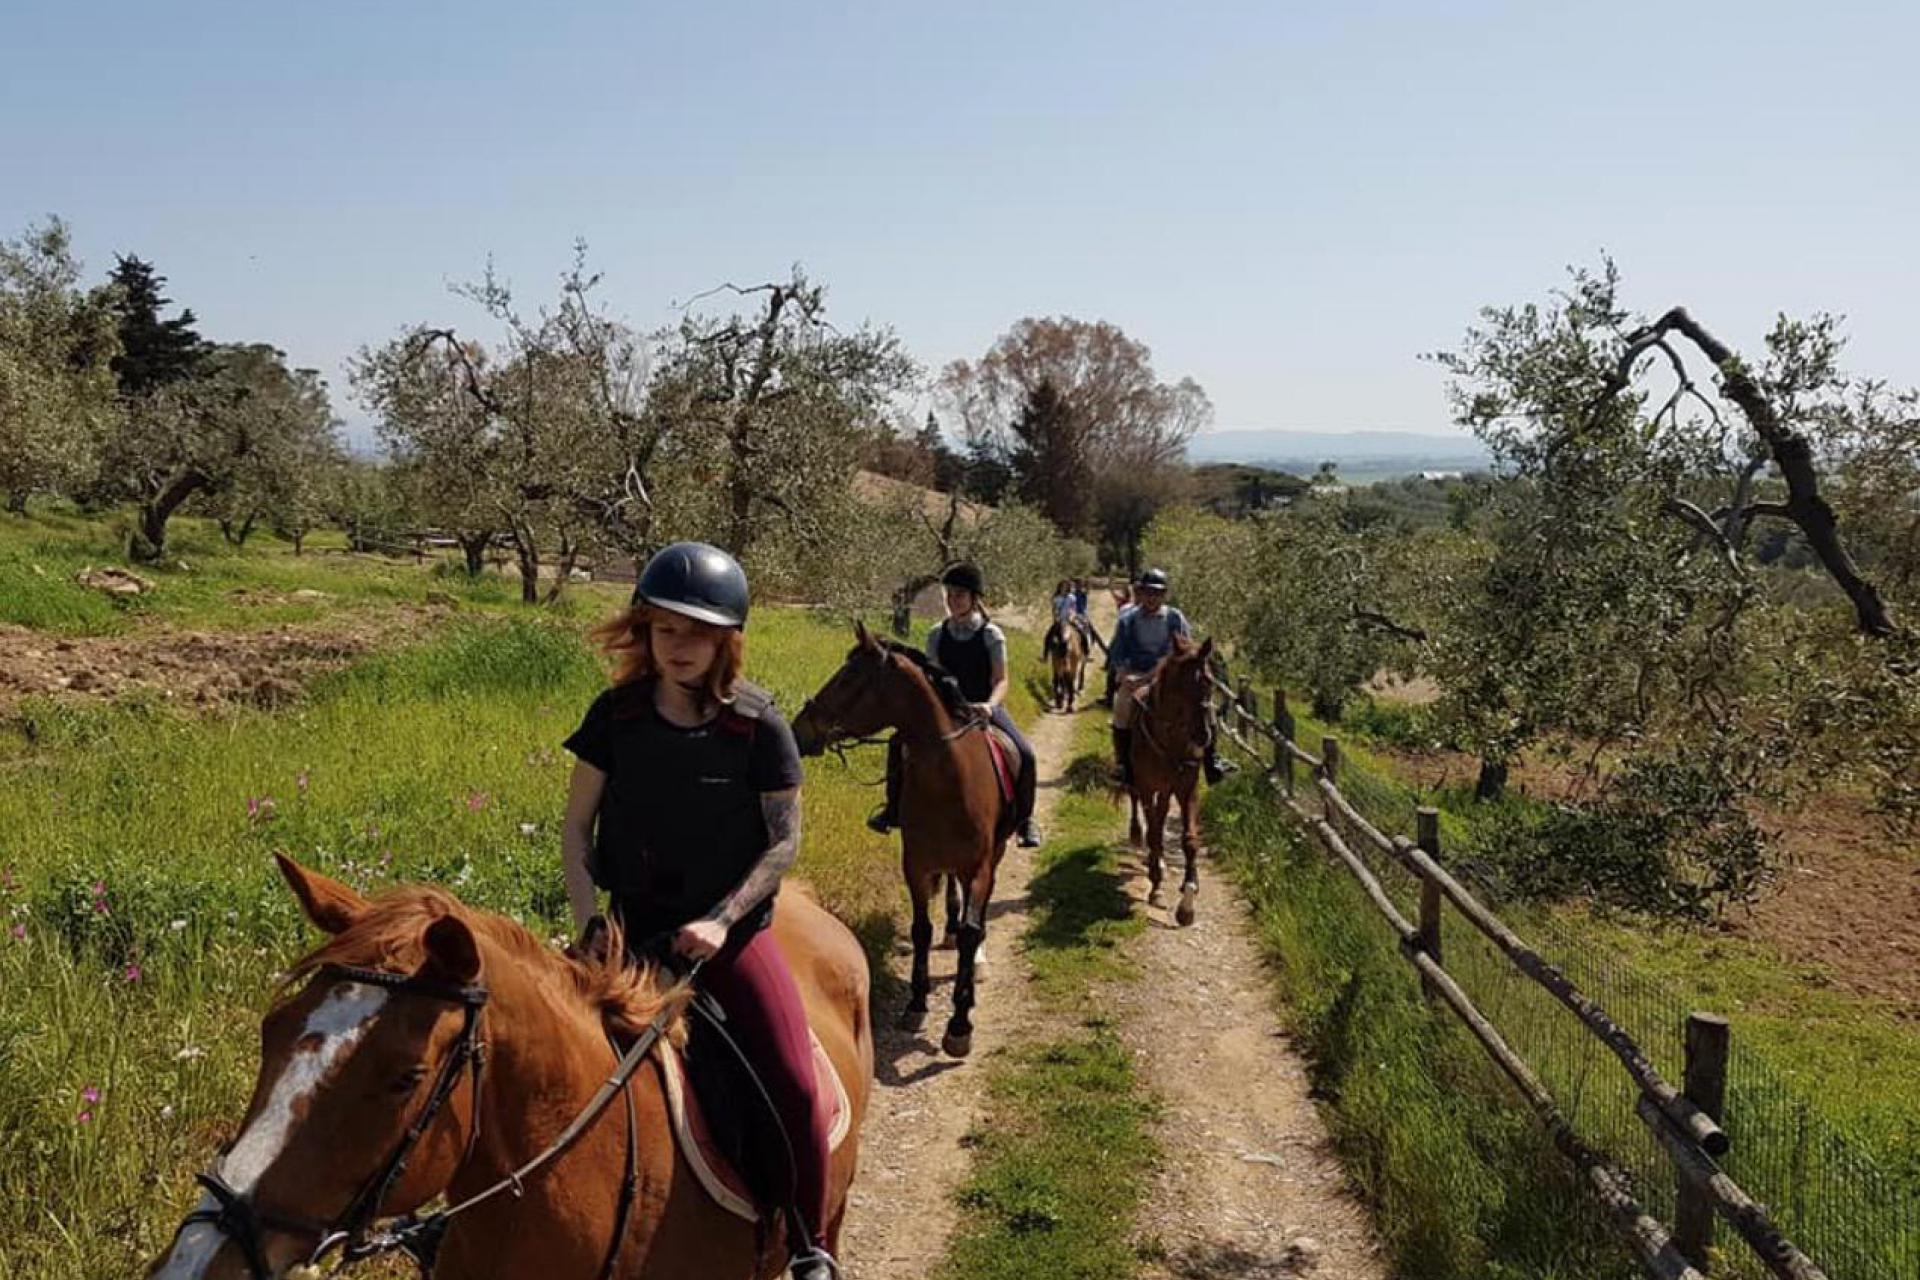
(945, 686)
(625, 997)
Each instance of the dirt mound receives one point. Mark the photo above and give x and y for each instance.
(198, 668)
(116, 582)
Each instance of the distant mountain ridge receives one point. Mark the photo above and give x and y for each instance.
(1411, 449)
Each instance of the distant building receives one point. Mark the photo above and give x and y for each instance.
(1437, 476)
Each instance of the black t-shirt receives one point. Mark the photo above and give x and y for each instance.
(680, 822)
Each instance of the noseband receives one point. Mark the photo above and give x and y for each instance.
(246, 1224)
(1196, 745)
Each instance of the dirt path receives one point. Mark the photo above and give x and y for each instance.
(1248, 1185)
(913, 1153)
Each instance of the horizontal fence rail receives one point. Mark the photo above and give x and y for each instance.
(1683, 1122)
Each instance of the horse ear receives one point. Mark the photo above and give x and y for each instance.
(860, 634)
(331, 906)
(453, 954)
(1206, 649)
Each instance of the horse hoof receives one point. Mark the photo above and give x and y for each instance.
(913, 1019)
(1183, 914)
(958, 1044)
(1155, 898)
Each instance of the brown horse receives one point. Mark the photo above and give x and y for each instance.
(1067, 652)
(1169, 742)
(420, 1013)
(953, 819)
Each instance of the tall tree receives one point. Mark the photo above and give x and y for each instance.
(154, 351)
(56, 387)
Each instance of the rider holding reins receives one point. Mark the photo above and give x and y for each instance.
(973, 650)
(685, 806)
(1142, 637)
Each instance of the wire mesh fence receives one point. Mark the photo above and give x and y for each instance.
(1822, 1185)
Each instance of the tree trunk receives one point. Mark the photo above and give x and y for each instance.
(527, 552)
(1327, 707)
(299, 541)
(149, 542)
(569, 552)
(474, 548)
(1492, 783)
(17, 501)
(237, 534)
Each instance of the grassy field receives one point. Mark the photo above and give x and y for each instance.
(1063, 1158)
(143, 920)
(1838, 1157)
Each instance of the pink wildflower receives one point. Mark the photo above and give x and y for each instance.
(131, 973)
(85, 1116)
(259, 808)
(476, 801)
(90, 1094)
(100, 907)
(19, 932)
(99, 888)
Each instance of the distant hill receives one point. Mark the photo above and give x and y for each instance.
(1370, 453)
(1234, 489)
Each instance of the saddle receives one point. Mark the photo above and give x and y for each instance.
(723, 1128)
(1005, 762)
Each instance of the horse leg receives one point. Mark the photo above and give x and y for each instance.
(950, 935)
(1156, 868)
(1133, 819)
(1190, 845)
(915, 1015)
(958, 1041)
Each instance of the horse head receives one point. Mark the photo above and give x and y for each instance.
(879, 685)
(1178, 693)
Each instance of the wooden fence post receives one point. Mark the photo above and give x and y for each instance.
(1427, 829)
(1330, 770)
(1283, 731)
(1706, 1086)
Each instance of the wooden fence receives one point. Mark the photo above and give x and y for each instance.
(1684, 1120)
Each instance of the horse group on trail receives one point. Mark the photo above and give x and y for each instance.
(428, 1051)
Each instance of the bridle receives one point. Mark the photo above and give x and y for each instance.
(837, 740)
(1197, 743)
(353, 1233)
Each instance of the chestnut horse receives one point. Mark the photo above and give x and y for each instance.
(953, 819)
(433, 1048)
(1067, 652)
(1169, 742)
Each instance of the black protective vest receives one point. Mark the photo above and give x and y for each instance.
(968, 662)
(680, 821)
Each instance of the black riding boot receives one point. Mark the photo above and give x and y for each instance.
(889, 815)
(1024, 831)
(1123, 756)
(1215, 768)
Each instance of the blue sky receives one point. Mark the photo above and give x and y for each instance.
(1287, 202)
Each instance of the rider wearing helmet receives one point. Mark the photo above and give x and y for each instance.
(974, 651)
(685, 807)
(1141, 638)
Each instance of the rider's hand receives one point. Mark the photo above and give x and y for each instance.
(982, 709)
(700, 939)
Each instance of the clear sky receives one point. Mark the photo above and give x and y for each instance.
(1289, 202)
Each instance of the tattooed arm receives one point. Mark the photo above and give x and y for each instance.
(782, 811)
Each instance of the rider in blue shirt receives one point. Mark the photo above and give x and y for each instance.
(1141, 638)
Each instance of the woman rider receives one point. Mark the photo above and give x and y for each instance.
(974, 651)
(685, 807)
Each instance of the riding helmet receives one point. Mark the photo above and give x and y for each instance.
(1155, 579)
(701, 581)
(965, 576)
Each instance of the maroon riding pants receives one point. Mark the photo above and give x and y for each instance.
(753, 984)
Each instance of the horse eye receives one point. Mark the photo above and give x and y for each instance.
(410, 1079)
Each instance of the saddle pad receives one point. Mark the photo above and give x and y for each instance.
(1002, 771)
(715, 1172)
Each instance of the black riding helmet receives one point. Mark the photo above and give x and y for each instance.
(965, 576)
(701, 581)
(1153, 578)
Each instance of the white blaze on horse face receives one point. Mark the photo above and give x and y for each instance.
(332, 1030)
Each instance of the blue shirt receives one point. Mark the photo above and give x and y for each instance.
(1140, 641)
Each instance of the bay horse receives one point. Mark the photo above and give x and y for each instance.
(954, 820)
(428, 1048)
(1168, 745)
(1067, 654)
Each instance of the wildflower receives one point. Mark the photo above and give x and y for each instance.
(99, 888)
(166, 1111)
(177, 925)
(100, 907)
(85, 1116)
(529, 828)
(132, 973)
(90, 1094)
(476, 801)
(19, 932)
(300, 782)
(259, 808)
(189, 1052)
(7, 883)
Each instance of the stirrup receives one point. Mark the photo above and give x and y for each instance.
(813, 1264)
(880, 822)
(1028, 835)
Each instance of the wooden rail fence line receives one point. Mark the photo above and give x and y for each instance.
(1684, 1121)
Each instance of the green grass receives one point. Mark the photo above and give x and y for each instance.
(438, 762)
(1824, 1086)
(205, 583)
(1462, 1181)
(1062, 1160)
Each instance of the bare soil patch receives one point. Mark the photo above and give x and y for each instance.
(200, 668)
